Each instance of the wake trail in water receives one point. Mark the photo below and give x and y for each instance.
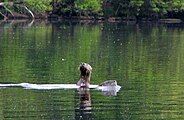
(107, 90)
(45, 86)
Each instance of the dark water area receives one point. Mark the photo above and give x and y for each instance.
(147, 60)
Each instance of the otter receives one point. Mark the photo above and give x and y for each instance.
(85, 75)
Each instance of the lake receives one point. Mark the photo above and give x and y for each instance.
(147, 61)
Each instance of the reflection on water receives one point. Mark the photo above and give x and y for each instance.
(83, 110)
(146, 60)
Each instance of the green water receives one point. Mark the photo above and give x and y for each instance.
(146, 60)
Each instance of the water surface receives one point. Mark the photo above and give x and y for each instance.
(146, 60)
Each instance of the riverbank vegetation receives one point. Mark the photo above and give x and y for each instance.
(123, 9)
(39, 5)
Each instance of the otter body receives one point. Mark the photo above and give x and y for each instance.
(85, 75)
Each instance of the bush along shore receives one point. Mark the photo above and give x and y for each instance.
(111, 10)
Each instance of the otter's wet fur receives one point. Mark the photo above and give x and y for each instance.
(85, 75)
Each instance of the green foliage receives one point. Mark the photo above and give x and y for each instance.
(121, 8)
(175, 5)
(145, 8)
(136, 6)
(39, 5)
(90, 5)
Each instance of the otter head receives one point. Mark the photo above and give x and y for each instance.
(85, 70)
(85, 75)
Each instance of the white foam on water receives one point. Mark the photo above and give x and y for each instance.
(45, 86)
(52, 86)
(109, 89)
(9, 85)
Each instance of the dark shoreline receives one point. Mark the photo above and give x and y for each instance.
(112, 19)
(30, 22)
(101, 20)
(54, 17)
